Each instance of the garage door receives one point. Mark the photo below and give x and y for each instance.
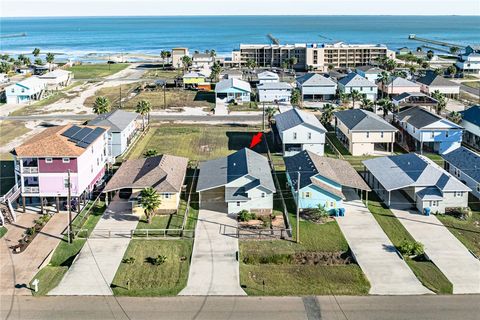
(213, 199)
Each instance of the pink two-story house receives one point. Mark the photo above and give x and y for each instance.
(43, 162)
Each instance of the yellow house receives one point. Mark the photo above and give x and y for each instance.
(164, 173)
(192, 79)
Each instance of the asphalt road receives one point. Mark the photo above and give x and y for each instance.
(474, 91)
(449, 307)
(185, 118)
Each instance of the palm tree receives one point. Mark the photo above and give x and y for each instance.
(164, 54)
(269, 113)
(143, 108)
(213, 53)
(386, 105)
(150, 201)
(344, 97)
(441, 102)
(50, 58)
(36, 52)
(5, 67)
(430, 54)
(390, 64)
(101, 105)
(383, 78)
(215, 71)
(150, 153)
(454, 50)
(452, 70)
(412, 70)
(355, 95)
(366, 104)
(327, 113)
(186, 62)
(455, 117)
(292, 61)
(39, 61)
(295, 98)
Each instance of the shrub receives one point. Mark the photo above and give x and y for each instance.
(463, 213)
(274, 258)
(244, 215)
(31, 231)
(130, 260)
(160, 259)
(319, 213)
(411, 248)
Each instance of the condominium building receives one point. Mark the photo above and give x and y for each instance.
(272, 55)
(177, 55)
(342, 55)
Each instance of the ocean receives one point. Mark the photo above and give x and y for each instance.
(86, 37)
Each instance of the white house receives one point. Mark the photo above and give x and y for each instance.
(202, 60)
(123, 127)
(471, 124)
(57, 79)
(300, 130)
(464, 164)
(432, 82)
(469, 62)
(233, 90)
(25, 91)
(268, 77)
(274, 92)
(356, 82)
(314, 86)
(370, 73)
(240, 181)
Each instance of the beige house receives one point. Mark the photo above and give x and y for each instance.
(165, 173)
(364, 133)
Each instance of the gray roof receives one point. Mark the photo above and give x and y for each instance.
(274, 86)
(466, 160)
(356, 80)
(164, 173)
(117, 120)
(406, 95)
(401, 82)
(219, 172)
(363, 120)
(201, 55)
(295, 117)
(268, 75)
(314, 80)
(226, 84)
(432, 79)
(430, 193)
(419, 118)
(309, 164)
(370, 69)
(412, 170)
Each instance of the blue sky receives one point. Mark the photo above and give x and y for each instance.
(16, 8)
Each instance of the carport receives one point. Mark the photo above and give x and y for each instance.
(213, 199)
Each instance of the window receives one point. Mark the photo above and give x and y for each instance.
(294, 135)
(307, 194)
(48, 160)
(65, 182)
(446, 134)
(91, 168)
(458, 194)
(478, 187)
(309, 135)
(166, 196)
(433, 134)
(92, 150)
(238, 203)
(66, 160)
(433, 203)
(361, 88)
(368, 134)
(381, 134)
(332, 204)
(263, 194)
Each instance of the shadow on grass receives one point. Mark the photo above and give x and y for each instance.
(205, 96)
(239, 140)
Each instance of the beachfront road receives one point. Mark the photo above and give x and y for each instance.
(440, 307)
(179, 118)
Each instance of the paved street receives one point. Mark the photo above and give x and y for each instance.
(387, 272)
(474, 91)
(95, 267)
(441, 246)
(214, 269)
(465, 307)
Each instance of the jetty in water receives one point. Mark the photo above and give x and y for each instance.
(13, 35)
(435, 42)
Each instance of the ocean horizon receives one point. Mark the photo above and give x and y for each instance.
(86, 37)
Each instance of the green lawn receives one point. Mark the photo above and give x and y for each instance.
(472, 84)
(284, 280)
(164, 221)
(467, 231)
(199, 142)
(338, 145)
(428, 274)
(63, 256)
(141, 278)
(3, 230)
(93, 71)
(247, 106)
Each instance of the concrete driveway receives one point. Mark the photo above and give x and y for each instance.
(387, 272)
(441, 246)
(95, 267)
(214, 269)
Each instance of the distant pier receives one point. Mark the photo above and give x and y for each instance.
(13, 35)
(435, 42)
(273, 39)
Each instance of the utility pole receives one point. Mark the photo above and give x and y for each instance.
(298, 208)
(69, 209)
(164, 95)
(120, 102)
(263, 117)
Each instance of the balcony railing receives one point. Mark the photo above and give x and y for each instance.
(31, 189)
(30, 170)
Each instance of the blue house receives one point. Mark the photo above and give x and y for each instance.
(471, 124)
(422, 130)
(322, 180)
(233, 90)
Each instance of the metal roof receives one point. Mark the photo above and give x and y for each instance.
(466, 160)
(219, 172)
(356, 80)
(274, 86)
(295, 117)
(411, 170)
(315, 79)
(116, 120)
(432, 79)
(226, 84)
(419, 118)
(401, 82)
(267, 75)
(363, 120)
(472, 115)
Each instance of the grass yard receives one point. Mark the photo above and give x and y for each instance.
(467, 231)
(284, 280)
(156, 74)
(112, 93)
(142, 278)
(196, 142)
(65, 253)
(175, 98)
(10, 130)
(164, 221)
(247, 106)
(93, 71)
(428, 274)
(3, 230)
(472, 84)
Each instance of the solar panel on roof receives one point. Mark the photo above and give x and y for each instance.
(83, 144)
(70, 132)
(92, 136)
(80, 135)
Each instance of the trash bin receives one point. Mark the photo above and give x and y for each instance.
(342, 212)
(427, 211)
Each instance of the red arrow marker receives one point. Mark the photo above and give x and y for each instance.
(256, 139)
